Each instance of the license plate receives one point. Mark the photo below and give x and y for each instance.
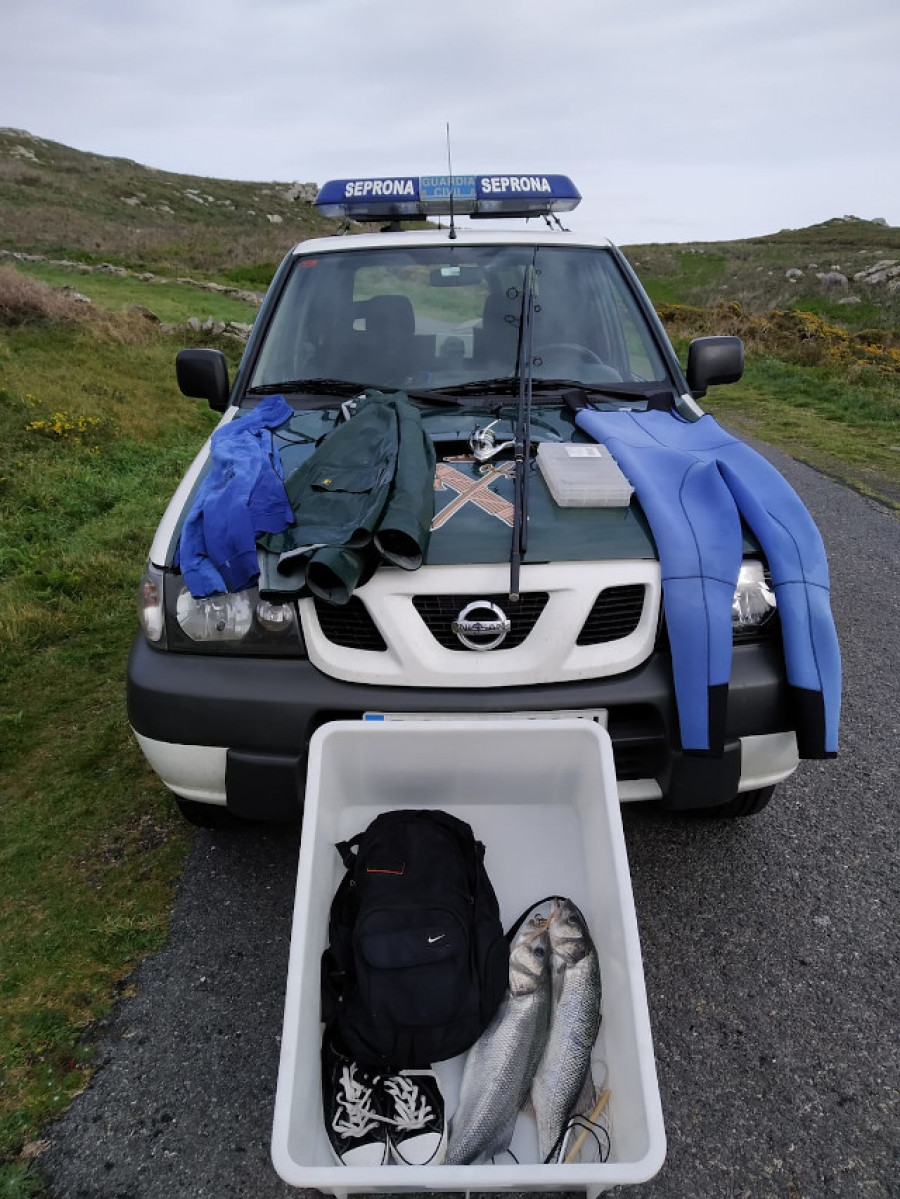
(597, 715)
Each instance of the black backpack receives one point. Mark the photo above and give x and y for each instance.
(417, 962)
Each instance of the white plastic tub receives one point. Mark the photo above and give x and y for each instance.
(541, 795)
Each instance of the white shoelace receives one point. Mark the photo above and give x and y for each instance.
(354, 1116)
(411, 1108)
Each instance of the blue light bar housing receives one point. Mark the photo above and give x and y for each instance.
(412, 197)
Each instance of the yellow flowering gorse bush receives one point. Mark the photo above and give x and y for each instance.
(64, 426)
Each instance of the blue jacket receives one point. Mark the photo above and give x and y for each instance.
(695, 482)
(241, 496)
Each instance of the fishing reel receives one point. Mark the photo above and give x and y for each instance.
(484, 445)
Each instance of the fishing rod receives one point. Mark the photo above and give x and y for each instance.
(523, 434)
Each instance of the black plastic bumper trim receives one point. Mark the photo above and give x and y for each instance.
(271, 708)
(264, 786)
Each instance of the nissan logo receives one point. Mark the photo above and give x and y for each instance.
(481, 625)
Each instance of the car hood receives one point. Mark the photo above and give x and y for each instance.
(474, 515)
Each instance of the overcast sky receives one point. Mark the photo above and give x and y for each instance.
(677, 119)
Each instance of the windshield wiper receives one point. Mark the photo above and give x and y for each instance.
(579, 395)
(344, 387)
(324, 387)
(506, 385)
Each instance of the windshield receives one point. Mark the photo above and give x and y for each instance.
(448, 315)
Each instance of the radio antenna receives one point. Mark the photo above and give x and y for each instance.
(450, 173)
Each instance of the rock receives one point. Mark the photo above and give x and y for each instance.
(886, 269)
(131, 201)
(794, 273)
(146, 313)
(878, 220)
(23, 152)
(71, 294)
(193, 322)
(33, 1149)
(273, 218)
(192, 196)
(849, 300)
(238, 329)
(305, 192)
(833, 280)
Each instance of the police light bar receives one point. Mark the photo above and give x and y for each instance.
(419, 197)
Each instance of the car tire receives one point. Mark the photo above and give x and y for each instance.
(745, 803)
(204, 815)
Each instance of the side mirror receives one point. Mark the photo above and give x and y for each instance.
(714, 360)
(203, 374)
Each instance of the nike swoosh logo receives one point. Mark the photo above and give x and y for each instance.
(431, 940)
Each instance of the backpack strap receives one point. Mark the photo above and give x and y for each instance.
(346, 850)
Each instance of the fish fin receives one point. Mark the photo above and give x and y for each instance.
(587, 1097)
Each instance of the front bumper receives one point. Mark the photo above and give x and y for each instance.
(236, 730)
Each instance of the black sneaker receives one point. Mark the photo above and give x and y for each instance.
(414, 1108)
(351, 1102)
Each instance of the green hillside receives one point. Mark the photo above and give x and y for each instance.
(61, 202)
(794, 269)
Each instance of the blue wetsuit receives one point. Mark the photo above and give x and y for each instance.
(694, 482)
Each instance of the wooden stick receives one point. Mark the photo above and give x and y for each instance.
(582, 1136)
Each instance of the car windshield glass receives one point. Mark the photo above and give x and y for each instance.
(447, 316)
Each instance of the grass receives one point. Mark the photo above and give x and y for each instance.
(171, 302)
(847, 428)
(94, 439)
(825, 396)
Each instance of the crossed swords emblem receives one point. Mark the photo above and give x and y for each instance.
(474, 491)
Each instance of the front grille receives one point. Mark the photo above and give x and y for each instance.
(439, 612)
(349, 624)
(615, 614)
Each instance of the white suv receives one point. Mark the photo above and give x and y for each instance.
(523, 602)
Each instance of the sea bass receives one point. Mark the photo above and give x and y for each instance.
(500, 1065)
(564, 1068)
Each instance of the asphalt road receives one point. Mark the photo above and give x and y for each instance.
(769, 950)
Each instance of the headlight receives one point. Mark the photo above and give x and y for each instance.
(754, 601)
(237, 622)
(151, 610)
(275, 618)
(214, 617)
